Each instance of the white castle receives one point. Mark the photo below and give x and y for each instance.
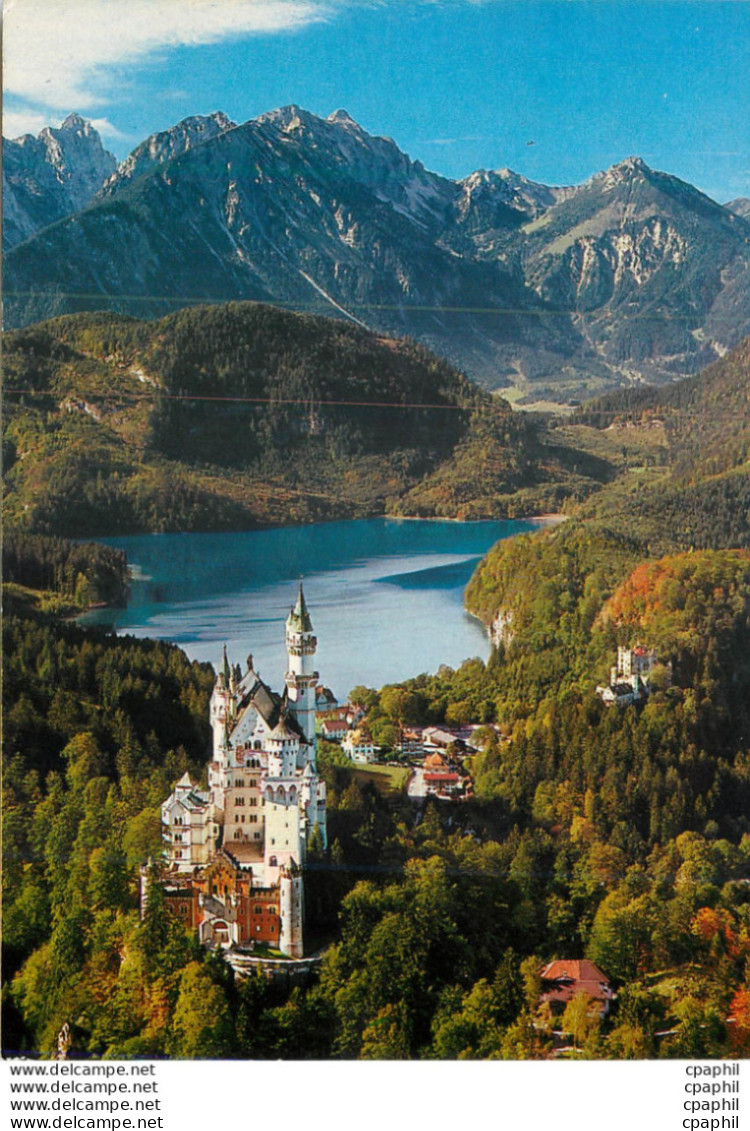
(236, 851)
(629, 677)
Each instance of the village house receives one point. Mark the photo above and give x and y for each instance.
(566, 978)
(333, 726)
(358, 746)
(325, 700)
(442, 783)
(441, 778)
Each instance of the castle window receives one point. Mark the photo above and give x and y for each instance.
(239, 801)
(272, 860)
(253, 782)
(253, 800)
(236, 818)
(178, 853)
(253, 819)
(243, 818)
(257, 836)
(258, 910)
(240, 783)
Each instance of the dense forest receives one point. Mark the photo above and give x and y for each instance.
(618, 834)
(230, 417)
(75, 574)
(621, 835)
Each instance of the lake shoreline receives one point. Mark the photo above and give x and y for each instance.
(397, 584)
(546, 519)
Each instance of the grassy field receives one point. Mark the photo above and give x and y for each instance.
(388, 779)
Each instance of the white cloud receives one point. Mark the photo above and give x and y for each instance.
(58, 53)
(451, 140)
(17, 122)
(109, 132)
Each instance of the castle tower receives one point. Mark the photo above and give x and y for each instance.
(222, 707)
(291, 912)
(301, 677)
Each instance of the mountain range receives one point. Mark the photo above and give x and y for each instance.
(561, 292)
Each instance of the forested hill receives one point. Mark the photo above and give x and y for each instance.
(683, 486)
(706, 417)
(232, 416)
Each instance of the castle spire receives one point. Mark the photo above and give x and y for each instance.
(226, 668)
(299, 617)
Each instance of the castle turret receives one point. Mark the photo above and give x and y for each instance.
(282, 745)
(301, 677)
(222, 707)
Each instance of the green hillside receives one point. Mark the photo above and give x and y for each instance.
(682, 485)
(242, 415)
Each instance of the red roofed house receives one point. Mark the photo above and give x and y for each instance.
(443, 783)
(334, 728)
(565, 978)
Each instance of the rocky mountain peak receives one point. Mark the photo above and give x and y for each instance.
(623, 172)
(76, 149)
(286, 118)
(76, 122)
(740, 207)
(342, 118)
(166, 144)
(341, 146)
(505, 187)
(51, 176)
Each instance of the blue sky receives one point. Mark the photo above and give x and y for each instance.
(555, 90)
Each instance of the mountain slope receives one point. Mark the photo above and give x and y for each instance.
(50, 176)
(706, 418)
(695, 501)
(558, 291)
(239, 415)
(643, 259)
(165, 145)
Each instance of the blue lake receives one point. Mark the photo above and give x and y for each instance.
(385, 595)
